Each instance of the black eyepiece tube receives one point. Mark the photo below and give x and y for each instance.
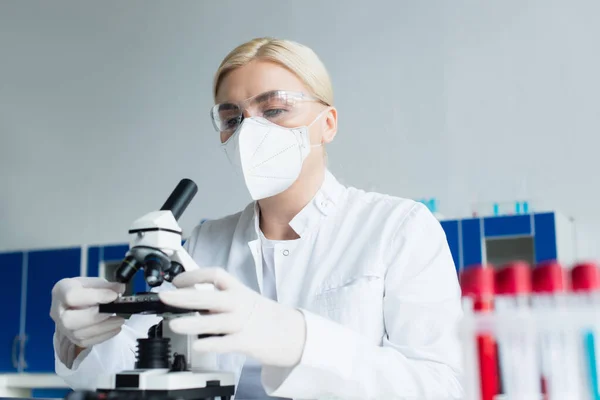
(180, 198)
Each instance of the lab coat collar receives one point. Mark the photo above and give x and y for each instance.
(325, 202)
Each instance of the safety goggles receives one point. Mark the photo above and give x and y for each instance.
(277, 106)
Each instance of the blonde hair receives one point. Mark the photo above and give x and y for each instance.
(296, 57)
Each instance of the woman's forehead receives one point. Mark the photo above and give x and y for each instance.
(255, 78)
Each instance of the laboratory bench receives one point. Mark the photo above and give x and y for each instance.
(38, 386)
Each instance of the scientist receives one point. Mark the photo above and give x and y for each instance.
(324, 290)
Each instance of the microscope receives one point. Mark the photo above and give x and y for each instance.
(166, 366)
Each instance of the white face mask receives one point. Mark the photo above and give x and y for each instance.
(269, 156)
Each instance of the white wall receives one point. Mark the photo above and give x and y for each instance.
(104, 106)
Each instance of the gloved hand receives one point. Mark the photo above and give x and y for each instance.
(75, 309)
(252, 324)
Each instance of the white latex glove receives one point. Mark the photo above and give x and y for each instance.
(252, 324)
(75, 309)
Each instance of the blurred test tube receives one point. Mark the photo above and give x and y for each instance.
(585, 284)
(560, 363)
(519, 364)
(477, 284)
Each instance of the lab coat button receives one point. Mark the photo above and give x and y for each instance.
(286, 252)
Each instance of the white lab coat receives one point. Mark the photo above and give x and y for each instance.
(375, 279)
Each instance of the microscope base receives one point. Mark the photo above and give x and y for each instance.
(164, 384)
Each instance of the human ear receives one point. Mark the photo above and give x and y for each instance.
(330, 122)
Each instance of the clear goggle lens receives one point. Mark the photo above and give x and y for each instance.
(277, 106)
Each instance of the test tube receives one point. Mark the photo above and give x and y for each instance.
(477, 284)
(585, 284)
(519, 365)
(559, 356)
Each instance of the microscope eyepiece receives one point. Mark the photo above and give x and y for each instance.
(129, 266)
(180, 198)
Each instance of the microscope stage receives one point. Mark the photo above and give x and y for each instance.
(141, 303)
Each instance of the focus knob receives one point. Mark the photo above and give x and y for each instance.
(179, 363)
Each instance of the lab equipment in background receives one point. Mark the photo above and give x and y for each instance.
(518, 356)
(497, 240)
(478, 297)
(585, 284)
(432, 204)
(554, 326)
(497, 208)
(166, 366)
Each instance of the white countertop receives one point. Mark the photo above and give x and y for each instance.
(32, 381)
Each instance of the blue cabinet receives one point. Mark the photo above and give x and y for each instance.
(27, 329)
(44, 269)
(471, 242)
(510, 226)
(49, 393)
(545, 240)
(11, 265)
(534, 238)
(453, 237)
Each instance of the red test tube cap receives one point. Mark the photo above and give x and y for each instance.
(514, 278)
(549, 277)
(477, 281)
(585, 277)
